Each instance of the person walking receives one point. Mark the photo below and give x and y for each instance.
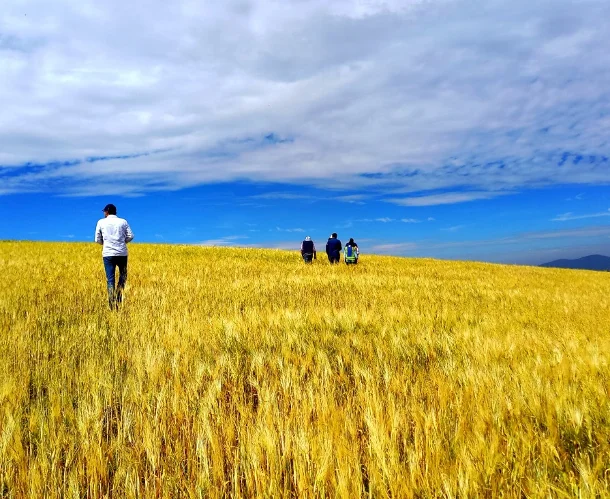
(308, 250)
(113, 233)
(333, 248)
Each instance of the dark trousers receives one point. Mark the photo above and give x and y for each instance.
(115, 294)
(307, 257)
(334, 257)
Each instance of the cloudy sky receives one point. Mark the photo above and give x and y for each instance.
(446, 128)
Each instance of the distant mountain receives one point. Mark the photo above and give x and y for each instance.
(591, 262)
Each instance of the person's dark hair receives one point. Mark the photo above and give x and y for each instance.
(110, 208)
(351, 239)
(334, 234)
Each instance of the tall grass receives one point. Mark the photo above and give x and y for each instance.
(233, 372)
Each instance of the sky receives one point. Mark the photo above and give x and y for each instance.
(454, 129)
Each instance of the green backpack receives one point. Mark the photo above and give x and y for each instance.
(350, 254)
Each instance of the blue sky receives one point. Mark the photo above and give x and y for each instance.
(446, 128)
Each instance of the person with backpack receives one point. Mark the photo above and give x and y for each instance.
(113, 233)
(333, 248)
(308, 250)
(351, 252)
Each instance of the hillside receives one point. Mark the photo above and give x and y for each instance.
(591, 262)
(245, 373)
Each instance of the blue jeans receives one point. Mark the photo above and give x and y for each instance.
(115, 296)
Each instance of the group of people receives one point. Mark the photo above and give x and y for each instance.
(113, 233)
(333, 250)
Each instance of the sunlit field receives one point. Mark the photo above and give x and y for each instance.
(243, 373)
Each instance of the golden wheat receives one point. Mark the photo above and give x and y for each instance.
(242, 372)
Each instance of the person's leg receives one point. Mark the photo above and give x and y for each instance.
(121, 262)
(109, 266)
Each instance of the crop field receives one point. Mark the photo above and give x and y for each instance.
(245, 373)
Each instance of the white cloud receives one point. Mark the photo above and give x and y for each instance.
(411, 95)
(280, 195)
(570, 216)
(352, 198)
(536, 245)
(224, 241)
(455, 228)
(393, 248)
(578, 233)
(410, 220)
(446, 198)
(383, 220)
(297, 229)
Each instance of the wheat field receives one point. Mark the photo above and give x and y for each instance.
(245, 373)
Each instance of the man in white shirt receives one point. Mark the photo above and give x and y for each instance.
(114, 233)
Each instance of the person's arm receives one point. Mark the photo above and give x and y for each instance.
(314, 252)
(99, 238)
(128, 233)
(301, 248)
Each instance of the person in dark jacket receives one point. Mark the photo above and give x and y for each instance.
(308, 250)
(333, 248)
